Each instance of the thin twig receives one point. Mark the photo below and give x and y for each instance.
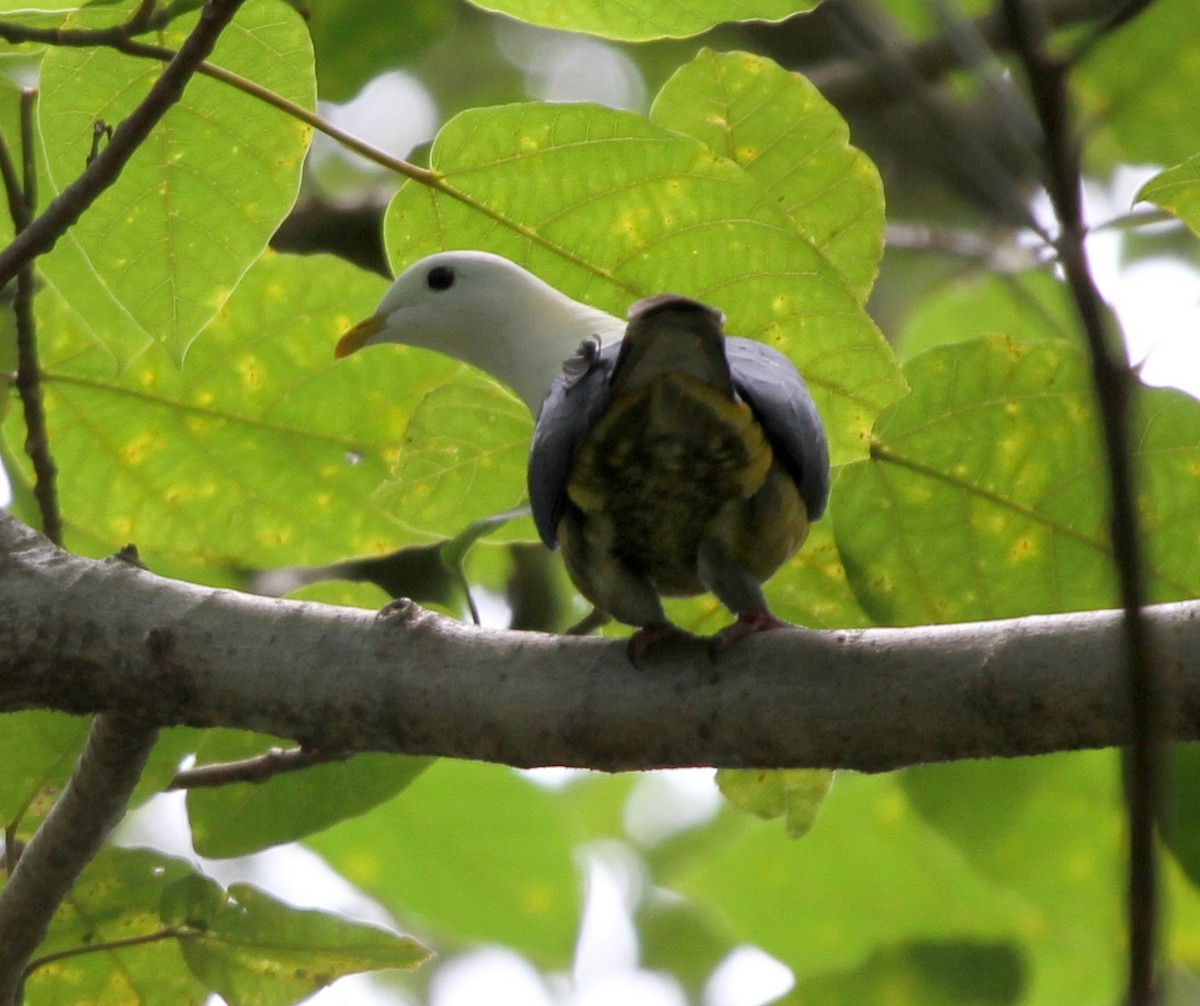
(1114, 383)
(23, 206)
(43, 233)
(258, 769)
(92, 803)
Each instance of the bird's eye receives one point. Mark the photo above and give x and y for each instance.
(441, 277)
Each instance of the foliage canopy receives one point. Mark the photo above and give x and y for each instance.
(194, 408)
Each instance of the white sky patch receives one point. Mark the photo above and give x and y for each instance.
(491, 975)
(561, 66)
(667, 802)
(747, 977)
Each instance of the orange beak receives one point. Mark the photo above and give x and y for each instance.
(357, 337)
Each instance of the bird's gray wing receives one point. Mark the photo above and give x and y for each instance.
(779, 397)
(573, 405)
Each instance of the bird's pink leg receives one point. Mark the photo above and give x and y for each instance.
(747, 624)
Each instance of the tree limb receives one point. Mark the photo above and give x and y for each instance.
(415, 682)
(90, 807)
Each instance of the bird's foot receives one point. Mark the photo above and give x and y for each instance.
(652, 644)
(748, 623)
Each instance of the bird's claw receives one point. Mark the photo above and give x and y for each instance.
(747, 624)
(652, 644)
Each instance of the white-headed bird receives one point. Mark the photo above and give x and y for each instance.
(668, 459)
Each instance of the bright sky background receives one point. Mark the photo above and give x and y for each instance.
(1158, 302)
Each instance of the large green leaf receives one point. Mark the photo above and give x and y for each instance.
(608, 207)
(241, 818)
(985, 496)
(1177, 190)
(160, 251)
(641, 20)
(788, 138)
(473, 852)
(262, 452)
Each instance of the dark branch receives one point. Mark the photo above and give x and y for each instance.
(1112, 379)
(43, 233)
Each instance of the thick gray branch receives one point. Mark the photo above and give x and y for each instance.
(89, 636)
(89, 808)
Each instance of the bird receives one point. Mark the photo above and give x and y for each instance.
(668, 458)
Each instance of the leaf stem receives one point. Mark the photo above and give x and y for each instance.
(170, 933)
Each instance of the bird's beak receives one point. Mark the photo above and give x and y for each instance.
(358, 336)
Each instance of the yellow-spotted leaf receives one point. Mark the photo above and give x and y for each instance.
(159, 252)
(985, 495)
(608, 207)
(788, 138)
(263, 451)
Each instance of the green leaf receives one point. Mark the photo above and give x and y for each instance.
(642, 20)
(115, 901)
(1049, 830)
(788, 138)
(262, 452)
(1177, 190)
(463, 457)
(609, 207)
(796, 795)
(985, 496)
(473, 853)
(1025, 307)
(870, 874)
(244, 945)
(160, 251)
(241, 818)
(38, 751)
(251, 949)
(1133, 84)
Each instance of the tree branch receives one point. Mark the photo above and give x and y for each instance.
(43, 233)
(343, 679)
(90, 807)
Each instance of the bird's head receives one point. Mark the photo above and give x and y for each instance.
(487, 311)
